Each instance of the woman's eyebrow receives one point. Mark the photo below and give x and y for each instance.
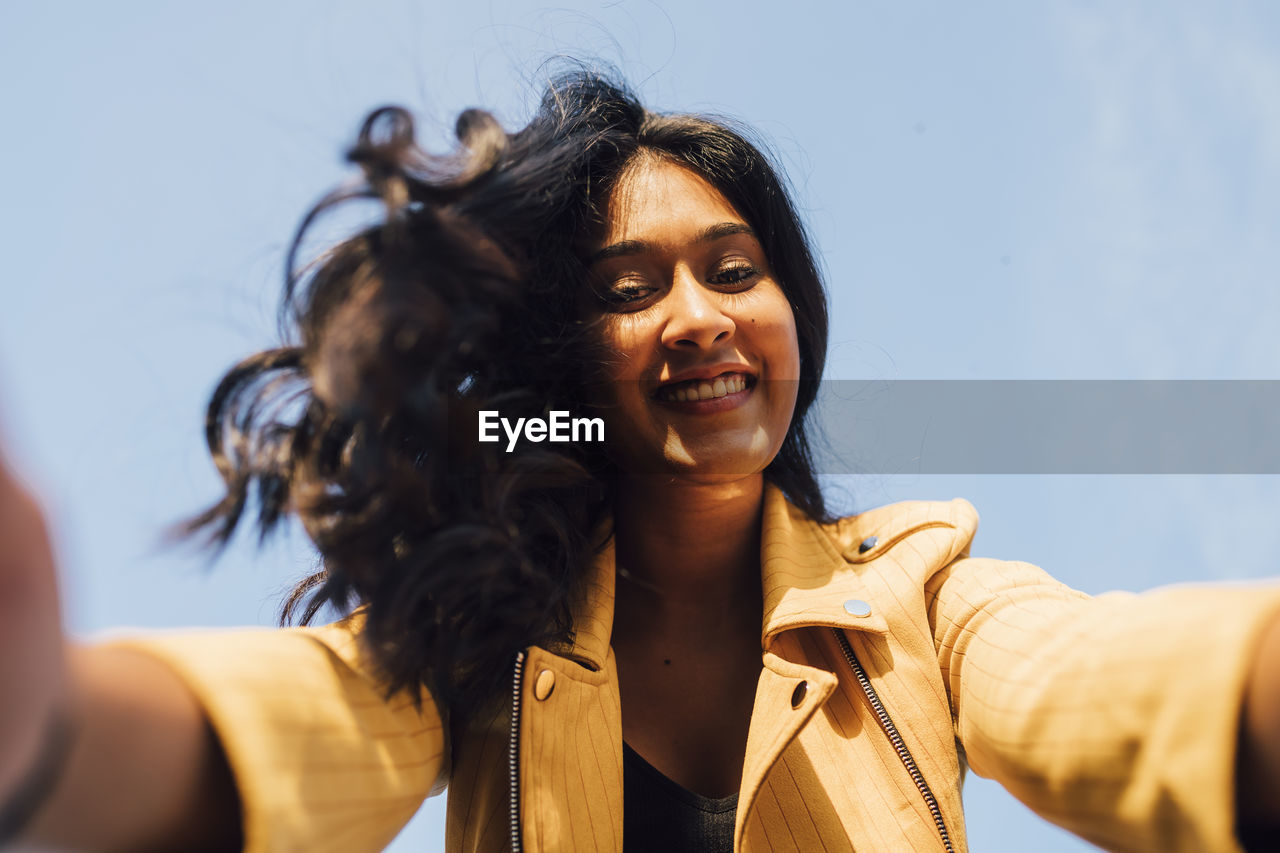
(637, 247)
(724, 229)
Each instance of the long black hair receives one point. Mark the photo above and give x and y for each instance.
(461, 298)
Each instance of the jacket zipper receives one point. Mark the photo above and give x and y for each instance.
(513, 753)
(513, 748)
(896, 739)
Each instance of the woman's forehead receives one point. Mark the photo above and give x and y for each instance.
(656, 197)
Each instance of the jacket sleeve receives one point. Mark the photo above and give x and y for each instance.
(1116, 717)
(321, 759)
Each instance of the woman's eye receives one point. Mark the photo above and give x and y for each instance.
(628, 291)
(734, 274)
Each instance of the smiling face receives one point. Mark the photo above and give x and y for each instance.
(703, 377)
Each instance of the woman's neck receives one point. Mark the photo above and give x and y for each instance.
(688, 555)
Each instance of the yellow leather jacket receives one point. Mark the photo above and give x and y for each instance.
(1115, 717)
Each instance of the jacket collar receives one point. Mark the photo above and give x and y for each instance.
(806, 581)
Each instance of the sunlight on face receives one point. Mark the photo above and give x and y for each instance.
(705, 364)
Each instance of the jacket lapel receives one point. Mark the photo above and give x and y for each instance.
(807, 583)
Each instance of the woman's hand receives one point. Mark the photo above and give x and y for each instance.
(33, 655)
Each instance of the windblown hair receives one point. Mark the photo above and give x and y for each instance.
(463, 297)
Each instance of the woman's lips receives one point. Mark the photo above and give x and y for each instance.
(704, 396)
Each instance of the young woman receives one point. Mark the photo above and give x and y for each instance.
(658, 638)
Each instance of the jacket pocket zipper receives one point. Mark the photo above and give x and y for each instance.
(513, 753)
(896, 739)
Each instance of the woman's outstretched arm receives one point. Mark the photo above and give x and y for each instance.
(256, 739)
(100, 749)
(1137, 721)
(145, 771)
(1258, 762)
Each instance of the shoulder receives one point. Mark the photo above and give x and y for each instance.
(943, 528)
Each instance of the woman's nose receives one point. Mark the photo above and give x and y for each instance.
(695, 317)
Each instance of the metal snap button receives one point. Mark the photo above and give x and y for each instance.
(857, 607)
(867, 544)
(797, 695)
(544, 684)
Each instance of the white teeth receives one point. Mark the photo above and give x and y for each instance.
(708, 390)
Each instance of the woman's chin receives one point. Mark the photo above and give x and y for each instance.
(689, 479)
(705, 466)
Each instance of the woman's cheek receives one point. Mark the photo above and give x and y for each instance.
(780, 345)
(623, 340)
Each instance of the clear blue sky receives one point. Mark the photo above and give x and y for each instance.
(1057, 190)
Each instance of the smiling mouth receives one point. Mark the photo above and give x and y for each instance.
(695, 390)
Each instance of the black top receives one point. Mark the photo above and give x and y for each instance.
(661, 815)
